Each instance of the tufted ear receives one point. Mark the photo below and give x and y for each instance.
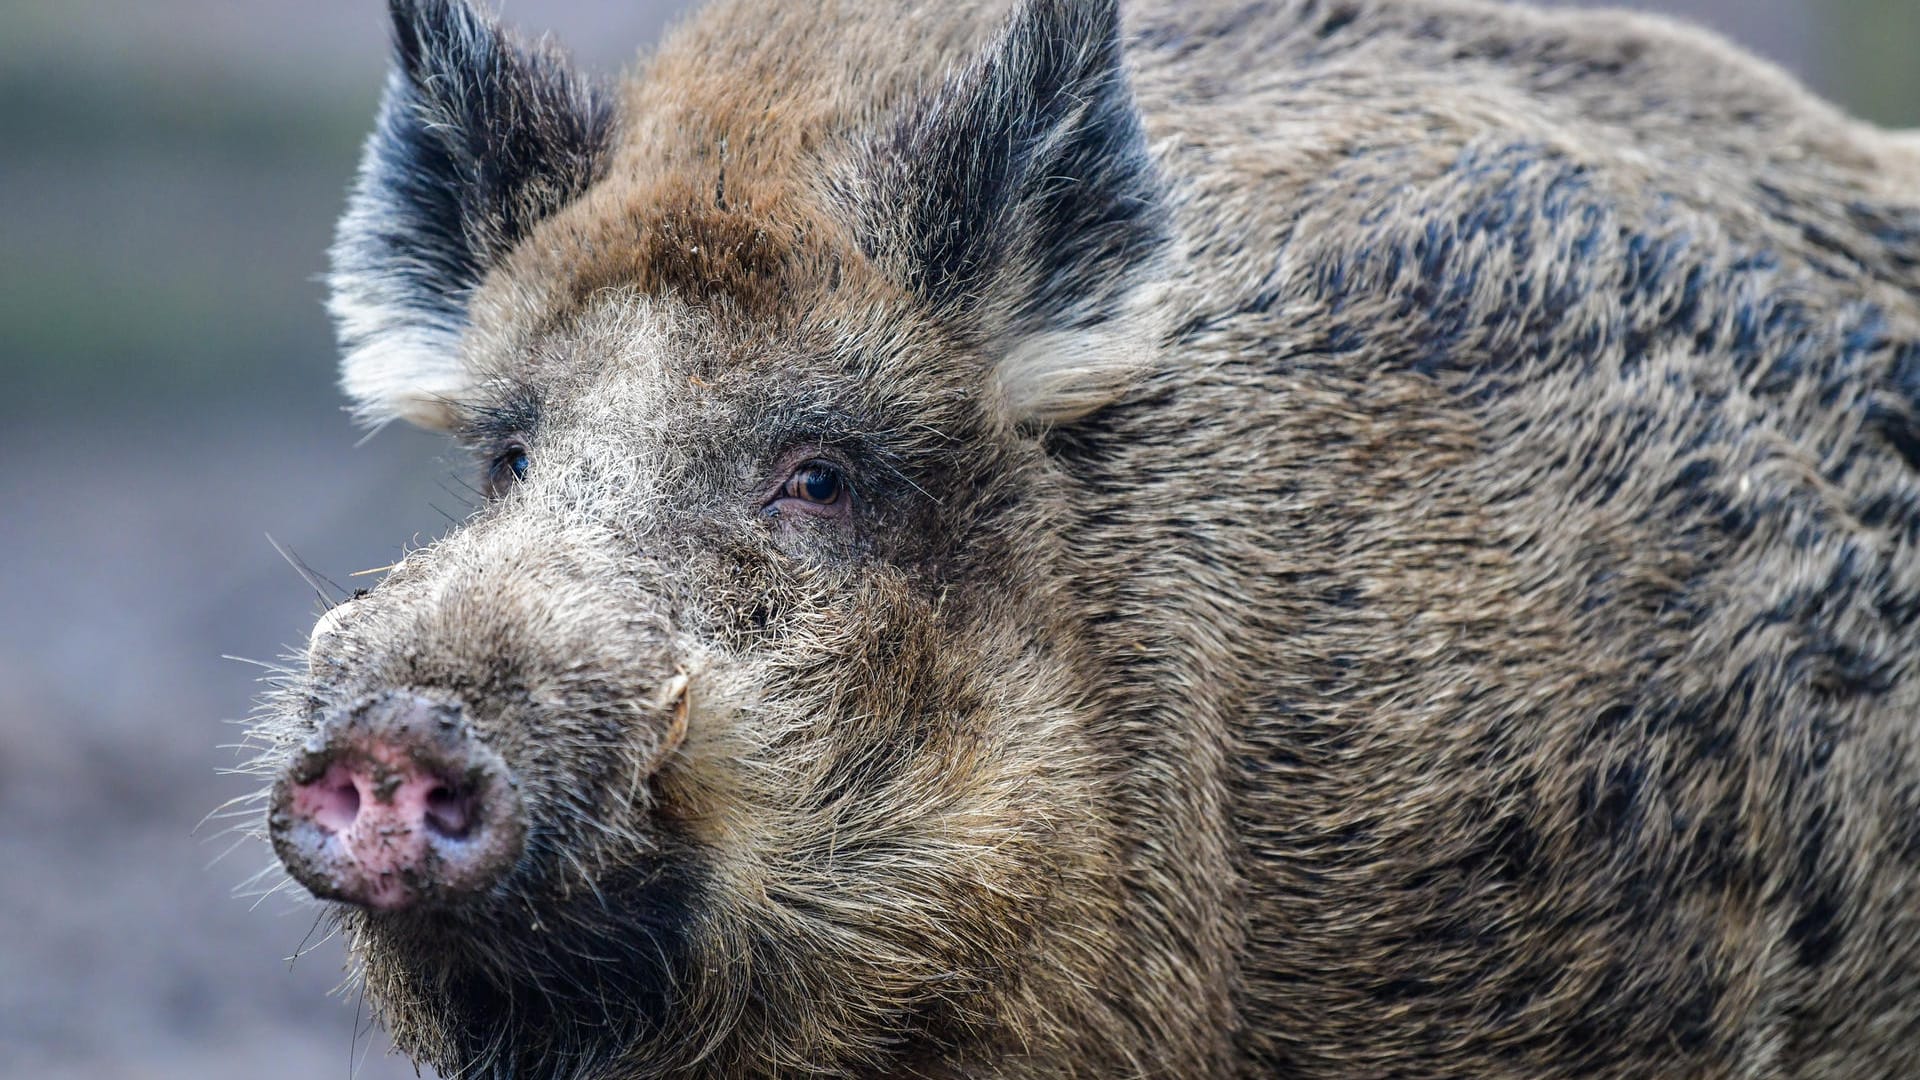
(1020, 201)
(478, 138)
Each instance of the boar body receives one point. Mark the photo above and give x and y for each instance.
(1282, 539)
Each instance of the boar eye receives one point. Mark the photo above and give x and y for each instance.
(507, 468)
(815, 487)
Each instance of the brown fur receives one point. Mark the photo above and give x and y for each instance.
(1435, 598)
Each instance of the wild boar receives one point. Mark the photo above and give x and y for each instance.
(1309, 538)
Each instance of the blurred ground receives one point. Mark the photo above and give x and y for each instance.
(170, 177)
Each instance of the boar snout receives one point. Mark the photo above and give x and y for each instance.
(395, 803)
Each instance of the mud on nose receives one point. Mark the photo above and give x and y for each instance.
(395, 803)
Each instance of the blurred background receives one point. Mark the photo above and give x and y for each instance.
(169, 175)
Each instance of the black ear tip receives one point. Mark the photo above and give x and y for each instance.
(1060, 42)
(426, 29)
(407, 17)
(1101, 17)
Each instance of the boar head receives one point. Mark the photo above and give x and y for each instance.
(745, 727)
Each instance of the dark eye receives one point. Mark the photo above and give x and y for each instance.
(818, 488)
(509, 467)
(815, 482)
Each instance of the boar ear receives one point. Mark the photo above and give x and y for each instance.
(1020, 200)
(478, 138)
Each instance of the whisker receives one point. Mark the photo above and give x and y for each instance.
(258, 663)
(304, 947)
(359, 1005)
(265, 896)
(230, 849)
(230, 806)
(464, 499)
(307, 573)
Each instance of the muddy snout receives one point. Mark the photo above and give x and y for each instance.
(394, 804)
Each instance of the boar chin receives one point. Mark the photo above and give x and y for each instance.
(495, 982)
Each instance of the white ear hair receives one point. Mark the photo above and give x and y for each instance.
(1058, 376)
(1048, 377)
(397, 364)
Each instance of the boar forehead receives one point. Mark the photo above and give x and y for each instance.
(664, 405)
(642, 277)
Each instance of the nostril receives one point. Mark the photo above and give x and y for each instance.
(334, 800)
(450, 813)
(396, 803)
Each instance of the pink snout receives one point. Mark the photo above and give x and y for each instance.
(396, 803)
